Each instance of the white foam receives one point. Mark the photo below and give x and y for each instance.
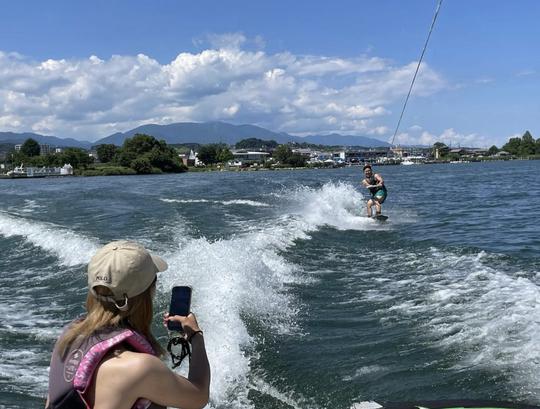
(365, 370)
(29, 206)
(186, 200)
(244, 277)
(488, 315)
(244, 202)
(366, 405)
(21, 366)
(221, 202)
(24, 321)
(338, 205)
(70, 248)
(232, 279)
(284, 398)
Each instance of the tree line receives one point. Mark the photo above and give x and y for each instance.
(214, 153)
(524, 146)
(141, 154)
(30, 155)
(517, 146)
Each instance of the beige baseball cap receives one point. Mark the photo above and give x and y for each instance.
(126, 268)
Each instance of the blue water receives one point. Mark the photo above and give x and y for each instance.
(305, 302)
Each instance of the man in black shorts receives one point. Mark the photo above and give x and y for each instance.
(375, 184)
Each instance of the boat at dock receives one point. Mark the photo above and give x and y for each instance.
(39, 172)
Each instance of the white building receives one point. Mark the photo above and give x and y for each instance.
(249, 157)
(66, 170)
(44, 149)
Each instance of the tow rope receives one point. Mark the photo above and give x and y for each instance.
(417, 68)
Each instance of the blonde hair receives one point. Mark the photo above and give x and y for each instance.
(104, 314)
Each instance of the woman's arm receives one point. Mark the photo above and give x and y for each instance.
(162, 386)
(125, 376)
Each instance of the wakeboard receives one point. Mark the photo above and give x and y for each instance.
(380, 217)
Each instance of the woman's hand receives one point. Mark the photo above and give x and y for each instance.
(189, 323)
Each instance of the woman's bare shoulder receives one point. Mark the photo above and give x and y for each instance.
(132, 364)
(119, 378)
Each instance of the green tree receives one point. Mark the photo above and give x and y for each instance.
(208, 154)
(16, 158)
(30, 148)
(76, 157)
(443, 149)
(141, 165)
(157, 153)
(286, 156)
(165, 158)
(125, 157)
(140, 144)
(513, 146)
(493, 150)
(107, 152)
(282, 153)
(296, 160)
(255, 143)
(224, 155)
(527, 146)
(537, 146)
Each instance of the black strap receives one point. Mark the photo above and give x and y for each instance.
(185, 351)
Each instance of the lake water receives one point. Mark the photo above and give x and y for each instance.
(305, 303)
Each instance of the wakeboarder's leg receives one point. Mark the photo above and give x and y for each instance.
(378, 208)
(369, 204)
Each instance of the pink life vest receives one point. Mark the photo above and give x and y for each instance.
(71, 375)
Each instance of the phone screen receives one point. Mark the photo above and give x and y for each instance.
(180, 305)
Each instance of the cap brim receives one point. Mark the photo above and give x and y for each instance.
(160, 263)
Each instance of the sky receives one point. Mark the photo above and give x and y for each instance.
(88, 69)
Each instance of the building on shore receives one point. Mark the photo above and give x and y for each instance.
(360, 155)
(190, 159)
(244, 157)
(45, 149)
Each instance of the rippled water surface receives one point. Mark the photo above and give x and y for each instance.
(305, 302)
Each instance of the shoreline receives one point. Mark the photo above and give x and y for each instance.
(263, 169)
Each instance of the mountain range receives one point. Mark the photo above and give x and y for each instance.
(17, 138)
(202, 133)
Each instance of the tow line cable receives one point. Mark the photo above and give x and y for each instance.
(417, 68)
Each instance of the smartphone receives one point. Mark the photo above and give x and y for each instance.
(180, 305)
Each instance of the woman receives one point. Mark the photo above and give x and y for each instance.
(375, 184)
(109, 358)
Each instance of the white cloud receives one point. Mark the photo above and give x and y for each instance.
(526, 73)
(91, 98)
(379, 131)
(417, 136)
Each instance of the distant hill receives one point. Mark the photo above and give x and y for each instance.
(202, 133)
(197, 133)
(18, 138)
(214, 132)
